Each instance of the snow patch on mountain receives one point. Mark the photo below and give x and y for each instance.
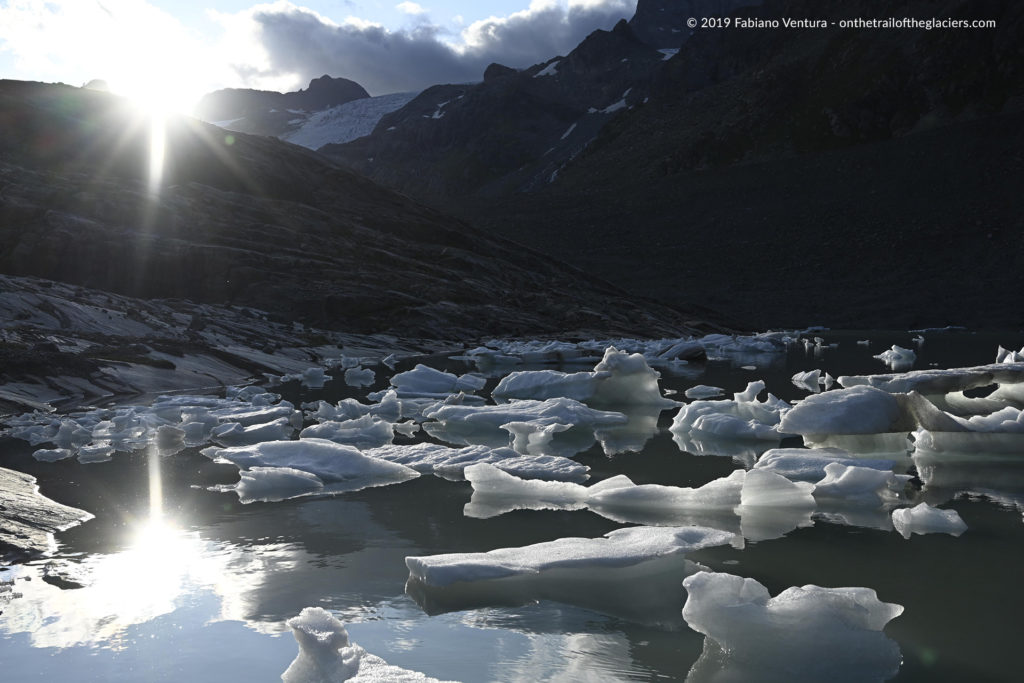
(346, 121)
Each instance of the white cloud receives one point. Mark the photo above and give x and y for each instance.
(410, 8)
(280, 45)
(298, 44)
(137, 48)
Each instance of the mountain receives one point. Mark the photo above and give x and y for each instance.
(512, 131)
(264, 112)
(517, 129)
(251, 221)
(840, 176)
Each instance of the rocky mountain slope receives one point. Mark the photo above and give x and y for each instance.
(264, 112)
(515, 131)
(254, 221)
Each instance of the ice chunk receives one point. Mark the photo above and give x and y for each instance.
(533, 437)
(426, 382)
(53, 454)
(619, 548)
(451, 463)
(898, 358)
(269, 484)
(359, 377)
(702, 391)
(234, 434)
(363, 432)
(619, 379)
(332, 463)
(858, 410)
(808, 464)
(925, 519)
(855, 485)
(941, 381)
(808, 380)
(327, 656)
(469, 424)
(742, 418)
(762, 488)
(807, 634)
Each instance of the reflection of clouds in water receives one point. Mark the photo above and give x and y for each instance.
(147, 579)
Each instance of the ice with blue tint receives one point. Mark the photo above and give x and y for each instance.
(805, 633)
(327, 656)
(808, 464)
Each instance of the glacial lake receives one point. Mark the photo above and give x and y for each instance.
(202, 591)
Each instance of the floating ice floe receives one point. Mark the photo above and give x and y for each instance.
(620, 379)
(450, 463)
(743, 418)
(426, 382)
(389, 408)
(234, 434)
(808, 464)
(597, 573)
(864, 419)
(367, 431)
(925, 519)
(758, 504)
(813, 380)
(359, 377)
(327, 656)
(531, 425)
(311, 378)
(338, 467)
(898, 358)
(808, 633)
(703, 391)
(945, 387)
(630, 573)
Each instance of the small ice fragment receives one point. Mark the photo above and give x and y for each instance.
(702, 391)
(359, 377)
(327, 656)
(925, 519)
(898, 358)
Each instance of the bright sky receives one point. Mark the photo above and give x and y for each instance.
(169, 53)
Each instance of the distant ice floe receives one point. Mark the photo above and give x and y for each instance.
(758, 504)
(805, 633)
(327, 656)
(426, 382)
(632, 573)
(722, 426)
(555, 426)
(277, 470)
(450, 463)
(925, 519)
(619, 379)
(898, 358)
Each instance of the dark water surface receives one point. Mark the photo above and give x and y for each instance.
(201, 590)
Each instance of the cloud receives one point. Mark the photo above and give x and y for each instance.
(282, 45)
(410, 8)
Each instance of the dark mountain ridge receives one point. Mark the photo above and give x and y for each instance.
(836, 176)
(257, 222)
